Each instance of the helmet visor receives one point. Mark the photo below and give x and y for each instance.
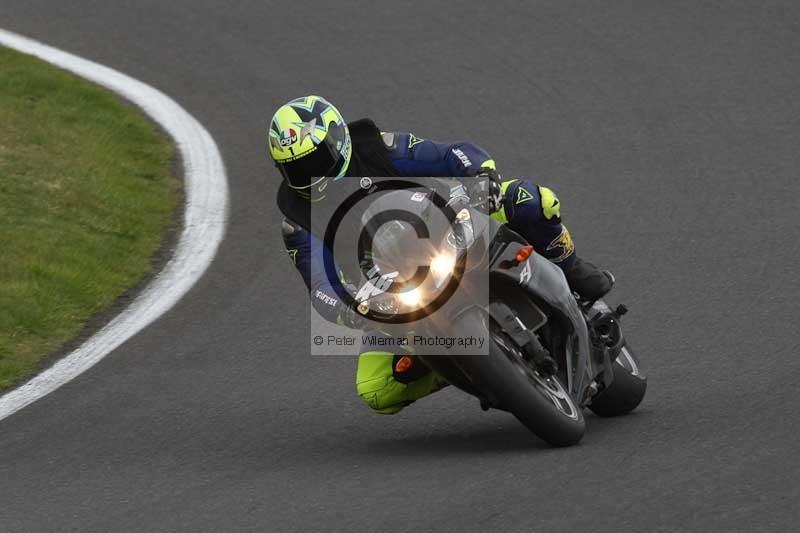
(324, 161)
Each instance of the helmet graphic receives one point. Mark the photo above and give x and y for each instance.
(309, 142)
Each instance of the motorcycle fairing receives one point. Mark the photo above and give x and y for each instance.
(543, 280)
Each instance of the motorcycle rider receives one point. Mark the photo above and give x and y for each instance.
(308, 138)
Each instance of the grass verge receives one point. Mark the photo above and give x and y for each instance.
(87, 190)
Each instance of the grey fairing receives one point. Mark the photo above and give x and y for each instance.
(548, 283)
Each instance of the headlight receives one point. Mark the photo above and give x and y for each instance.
(410, 298)
(442, 265)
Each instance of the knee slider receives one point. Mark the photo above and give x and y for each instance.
(376, 386)
(380, 397)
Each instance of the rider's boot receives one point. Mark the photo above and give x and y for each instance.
(588, 281)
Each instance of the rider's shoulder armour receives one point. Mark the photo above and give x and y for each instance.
(389, 139)
(289, 228)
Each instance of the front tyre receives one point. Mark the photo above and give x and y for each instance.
(512, 384)
(626, 391)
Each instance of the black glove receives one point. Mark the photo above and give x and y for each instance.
(351, 318)
(484, 190)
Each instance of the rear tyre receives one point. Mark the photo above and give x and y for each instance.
(510, 383)
(627, 390)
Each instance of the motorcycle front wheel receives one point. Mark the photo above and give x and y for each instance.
(511, 383)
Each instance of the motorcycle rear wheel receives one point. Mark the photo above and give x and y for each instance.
(626, 391)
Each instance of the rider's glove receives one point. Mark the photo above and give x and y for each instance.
(486, 189)
(351, 318)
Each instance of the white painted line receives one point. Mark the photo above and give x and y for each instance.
(204, 222)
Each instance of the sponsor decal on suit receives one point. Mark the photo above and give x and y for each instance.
(564, 243)
(413, 140)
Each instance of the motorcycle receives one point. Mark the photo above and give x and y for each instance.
(550, 354)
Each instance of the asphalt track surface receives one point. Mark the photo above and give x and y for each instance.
(670, 132)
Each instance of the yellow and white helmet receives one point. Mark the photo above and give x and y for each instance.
(309, 142)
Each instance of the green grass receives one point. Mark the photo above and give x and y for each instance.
(86, 194)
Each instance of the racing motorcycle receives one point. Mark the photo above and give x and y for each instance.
(550, 354)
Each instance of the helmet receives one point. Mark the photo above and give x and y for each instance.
(309, 142)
